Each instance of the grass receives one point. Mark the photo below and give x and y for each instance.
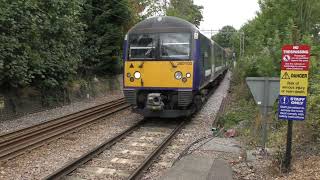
(240, 110)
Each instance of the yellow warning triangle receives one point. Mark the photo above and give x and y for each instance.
(285, 76)
(131, 66)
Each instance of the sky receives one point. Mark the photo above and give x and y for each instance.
(218, 13)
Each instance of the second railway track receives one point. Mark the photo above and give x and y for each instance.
(18, 142)
(125, 156)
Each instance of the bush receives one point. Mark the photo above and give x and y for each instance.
(40, 42)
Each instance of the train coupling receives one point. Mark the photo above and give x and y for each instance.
(154, 102)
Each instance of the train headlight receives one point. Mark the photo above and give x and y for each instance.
(178, 75)
(188, 75)
(128, 75)
(137, 75)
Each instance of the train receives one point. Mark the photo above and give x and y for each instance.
(169, 67)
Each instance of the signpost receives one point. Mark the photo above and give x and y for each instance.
(293, 89)
(265, 91)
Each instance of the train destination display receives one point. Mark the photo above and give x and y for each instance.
(294, 82)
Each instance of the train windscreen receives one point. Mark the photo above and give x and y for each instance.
(175, 45)
(142, 46)
(162, 46)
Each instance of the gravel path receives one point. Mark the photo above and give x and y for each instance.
(36, 118)
(200, 126)
(42, 161)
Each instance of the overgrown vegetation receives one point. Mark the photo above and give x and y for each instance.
(45, 45)
(277, 23)
(241, 106)
(39, 43)
(226, 37)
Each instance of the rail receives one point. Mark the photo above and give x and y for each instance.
(18, 142)
(138, 172)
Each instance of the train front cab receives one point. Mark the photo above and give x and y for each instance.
(160, 73)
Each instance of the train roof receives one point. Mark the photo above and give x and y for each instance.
(166, 24)
(163, 24)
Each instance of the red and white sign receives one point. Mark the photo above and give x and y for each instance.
(295, 57)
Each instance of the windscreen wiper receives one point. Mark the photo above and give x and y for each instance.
(141, 65)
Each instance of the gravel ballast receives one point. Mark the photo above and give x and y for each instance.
(199, 127)
(36, 118)
(40, 162)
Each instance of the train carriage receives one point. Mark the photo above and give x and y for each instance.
(168, 66)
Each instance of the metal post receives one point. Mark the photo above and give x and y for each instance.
(264, 127)
(287, 159)
(265, 112)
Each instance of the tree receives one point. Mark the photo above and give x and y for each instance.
(225, 36)
(187, 10)
(39, 43)
(106, 21)
(156, 8)
(137, 9)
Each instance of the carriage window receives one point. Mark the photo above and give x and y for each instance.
(175, 45)
(142, 46)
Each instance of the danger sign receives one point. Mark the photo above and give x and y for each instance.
(294, 82)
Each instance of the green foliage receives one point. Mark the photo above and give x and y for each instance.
(137, 8)
(39, 42)
(313, 102)
(187, 10)
(281, 22)
(105, 20)
(239, 111)
(46, 44)
(225, 37)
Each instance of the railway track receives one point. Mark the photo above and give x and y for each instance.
(18, 142)
(125, 156)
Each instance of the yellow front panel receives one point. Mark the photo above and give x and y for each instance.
(158, 74)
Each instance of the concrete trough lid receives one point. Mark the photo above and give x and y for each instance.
(200, 168)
